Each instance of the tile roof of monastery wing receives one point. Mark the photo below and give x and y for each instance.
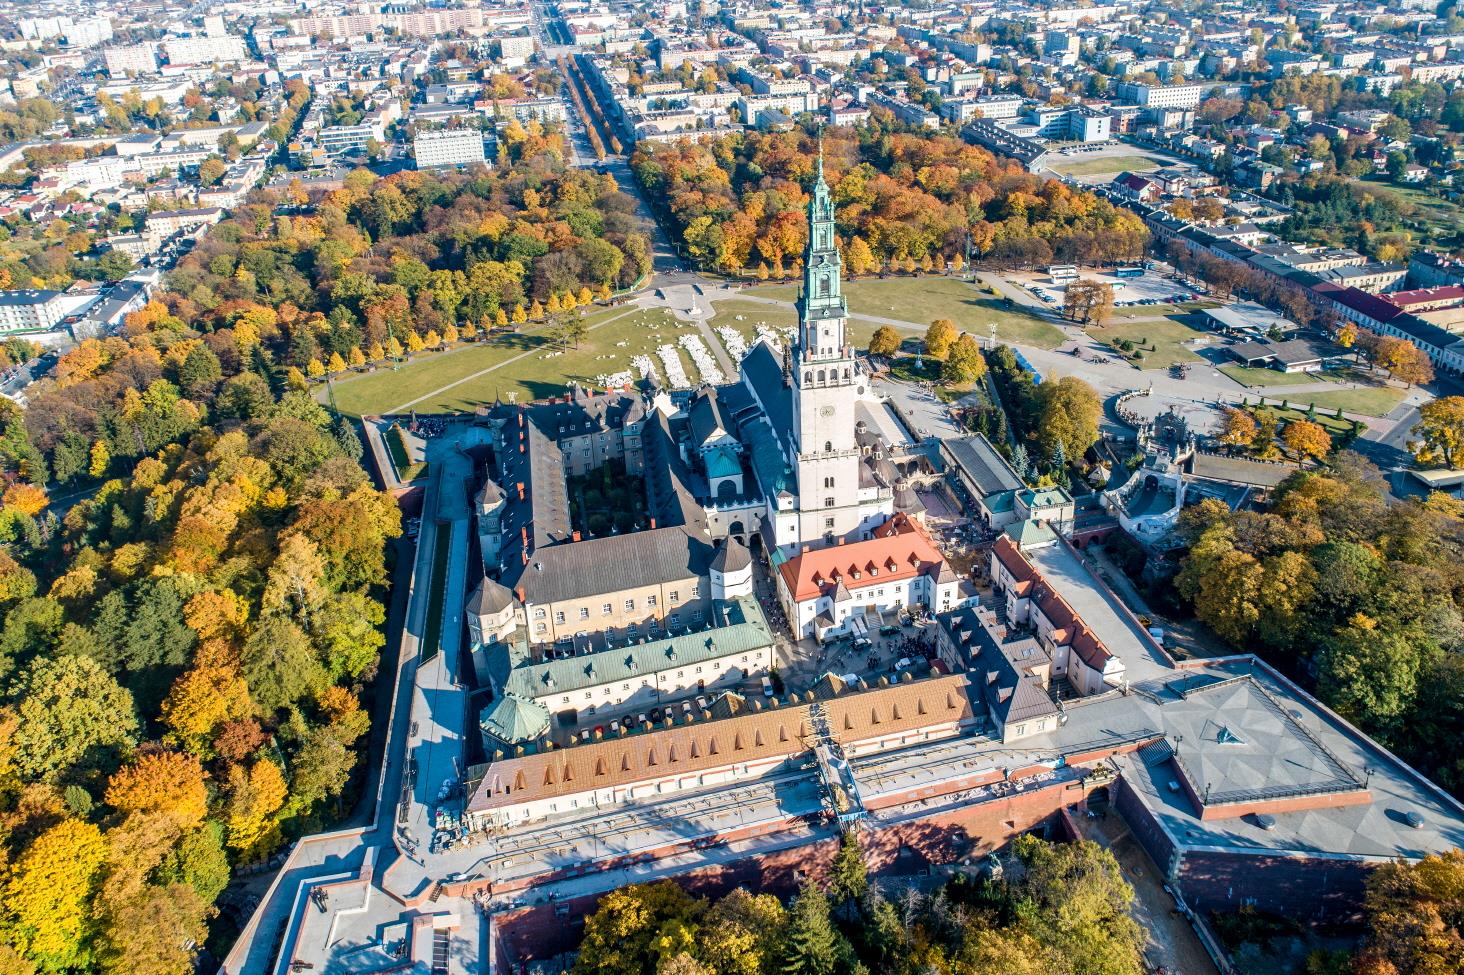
(749, 737)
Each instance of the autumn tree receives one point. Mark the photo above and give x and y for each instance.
(74, 717)
(939, 337)
(164, 782)
(1239, 428)
(1306, 439)
(885, 341)
(45, 912)
(1413, 916)
(1404, 360)
(964, 363)
(1440, 431)
(1068, 414)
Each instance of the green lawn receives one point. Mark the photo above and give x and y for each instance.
(1078, 166)
(1162, 341)
(407, 470)
(1247, 376)
(528, 378)
(1367, 400)
(1333, 425)
(921, 300)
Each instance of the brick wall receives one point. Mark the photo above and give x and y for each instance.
(1309, 890)
(900, 849)
(1144, 827)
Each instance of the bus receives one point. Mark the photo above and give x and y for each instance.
(1128, 272)
(1063, 272)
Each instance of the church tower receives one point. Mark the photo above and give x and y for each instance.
(827, 383)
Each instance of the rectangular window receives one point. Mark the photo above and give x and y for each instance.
(675, 619)
(696, 591)
(539, 627)
(828, 502)
(584, 612)
(651, 600)
(676, 595)
(606, 609)
(828, 522)
(696, 616)
(540, 614)
(559, 618)
(630, 605)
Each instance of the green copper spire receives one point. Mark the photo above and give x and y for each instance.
(822, 297)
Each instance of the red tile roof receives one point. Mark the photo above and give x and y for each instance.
(900, 549)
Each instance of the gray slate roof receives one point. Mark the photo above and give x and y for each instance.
(610, 564)
(986, 468)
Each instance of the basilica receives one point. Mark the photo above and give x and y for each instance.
(797, 454)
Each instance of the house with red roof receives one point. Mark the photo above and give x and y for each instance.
(830, 592)
(1076, 651)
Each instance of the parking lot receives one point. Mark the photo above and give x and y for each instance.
(1151, 288)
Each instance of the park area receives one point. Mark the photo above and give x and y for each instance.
(1152, 343)
(526, 366)
(915, 302)
(1077, 165)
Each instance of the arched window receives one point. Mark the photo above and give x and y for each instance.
(828, 446)
(820, 376)
(823, 287)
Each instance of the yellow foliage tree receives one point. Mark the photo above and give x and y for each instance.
(254, 797)
(356, 358)
(604, 293)
(536, 311)
(500, 318)
(431, 340)
(584, 297)
(519, 315)
(469, 331)
(46, 906)
(553, 305)
(295, 379)
(216, 613)
(314, 369)
(25, 498)
(393, 348)
(200, 701)
(101, 459)
(450, 334)
(376, 353)
(335, 364)
(414, 342)
(160, 781)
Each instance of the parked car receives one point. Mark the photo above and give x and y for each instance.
(767, 686)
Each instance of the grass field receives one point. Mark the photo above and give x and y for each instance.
(1247, 376)
(511, 365)
(1166, 336)
(1332, 425)
(920, 301)
(1366, 400)
(407, 470)
(1078, 166)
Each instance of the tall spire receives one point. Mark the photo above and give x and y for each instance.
(822, 297)
(820, 154)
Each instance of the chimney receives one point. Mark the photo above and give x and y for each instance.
(574, 536)
(520, 594)
(805, 550)
(525, 557)
(653, 523)
(521, 448)
(521, 490)
(841, 541)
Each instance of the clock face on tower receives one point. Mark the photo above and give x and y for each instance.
(826, 411)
